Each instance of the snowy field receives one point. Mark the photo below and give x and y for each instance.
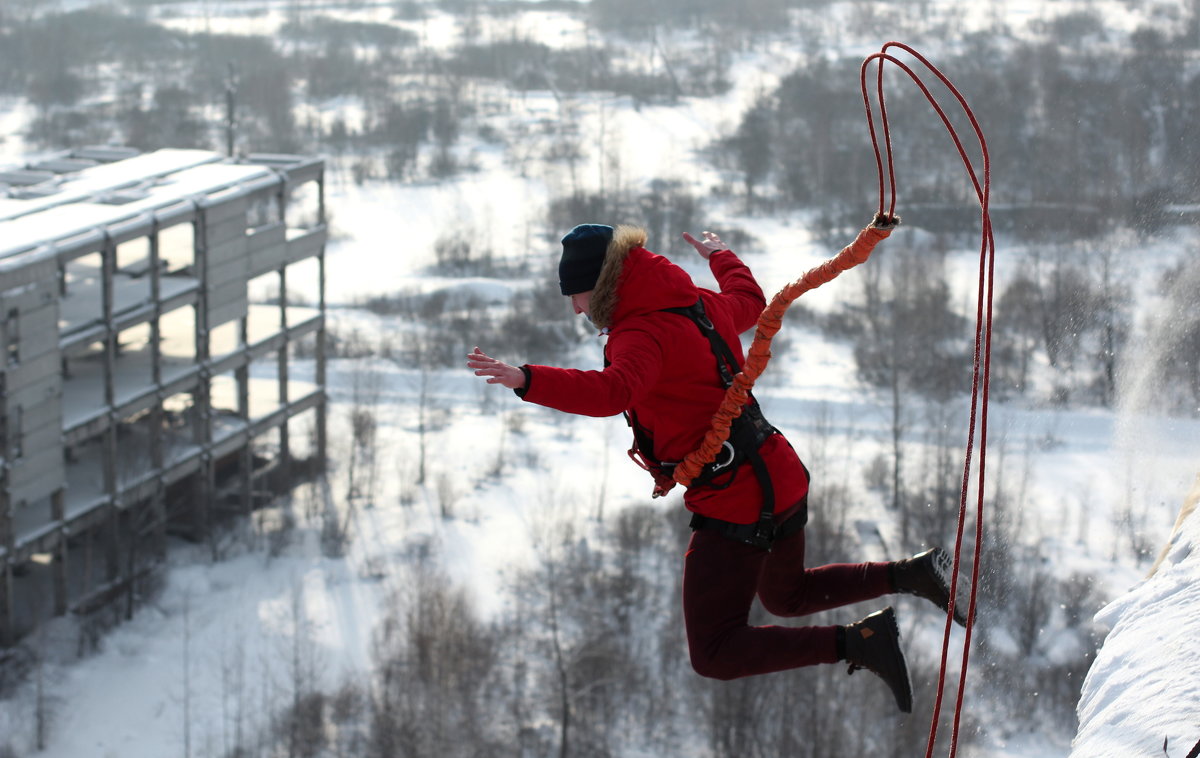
(1141, 695)
(185, 675)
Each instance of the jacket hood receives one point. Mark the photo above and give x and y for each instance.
(634, 281)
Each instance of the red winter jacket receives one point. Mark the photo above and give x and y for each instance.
(663, 369)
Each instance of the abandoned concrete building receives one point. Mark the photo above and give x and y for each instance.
(162, 328)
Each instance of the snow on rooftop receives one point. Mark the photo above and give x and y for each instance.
(155, 180)
(209, 178)
(106, 177)
(61, 222)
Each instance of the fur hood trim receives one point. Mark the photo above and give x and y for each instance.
(604, 295)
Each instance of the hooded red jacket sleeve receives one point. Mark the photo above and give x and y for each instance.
(738, 289)
(636, 361)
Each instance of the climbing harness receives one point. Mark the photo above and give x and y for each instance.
(737, 394)
(747, 434)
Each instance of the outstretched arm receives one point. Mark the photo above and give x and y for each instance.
(636, 362)
(497, 371)
(738, 287)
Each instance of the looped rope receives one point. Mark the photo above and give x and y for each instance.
(981, 370)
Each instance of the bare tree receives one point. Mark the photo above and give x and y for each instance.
(751, 144)
(186, 679)
(233, 695)
(304, 720)
(910, 344)
(434, 660)
(362, 467)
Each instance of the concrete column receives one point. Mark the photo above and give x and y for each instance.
(7, 629)
(62, 599)
(112, 526)
(242, 375)
(202, 398)
(7, 632)
(322, 410)
(285, 447)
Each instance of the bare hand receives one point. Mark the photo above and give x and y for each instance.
(707, 246)
(497, 372)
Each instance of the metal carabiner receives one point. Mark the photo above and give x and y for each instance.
(717, 466)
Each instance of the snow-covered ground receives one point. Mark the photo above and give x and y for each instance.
(223, 634)
(1142, 695)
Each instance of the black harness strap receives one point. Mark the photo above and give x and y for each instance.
(727, 364)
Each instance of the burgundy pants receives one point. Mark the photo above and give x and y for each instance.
(721, 578)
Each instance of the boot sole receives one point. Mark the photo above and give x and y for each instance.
(943, 565)
(898, 680)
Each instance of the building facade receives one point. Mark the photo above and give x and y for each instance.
(162, 328)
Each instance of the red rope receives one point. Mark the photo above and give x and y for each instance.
(981, 372)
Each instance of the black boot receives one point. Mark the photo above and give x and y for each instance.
(874, 644)
(927, 575)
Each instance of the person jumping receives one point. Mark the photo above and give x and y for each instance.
(672, 350)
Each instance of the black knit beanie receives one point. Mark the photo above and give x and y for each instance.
(583, 257)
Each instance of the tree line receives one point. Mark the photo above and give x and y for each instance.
(101, 75)
(1086, 133)
(1091, 133)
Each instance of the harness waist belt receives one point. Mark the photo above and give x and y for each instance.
(760, 534)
